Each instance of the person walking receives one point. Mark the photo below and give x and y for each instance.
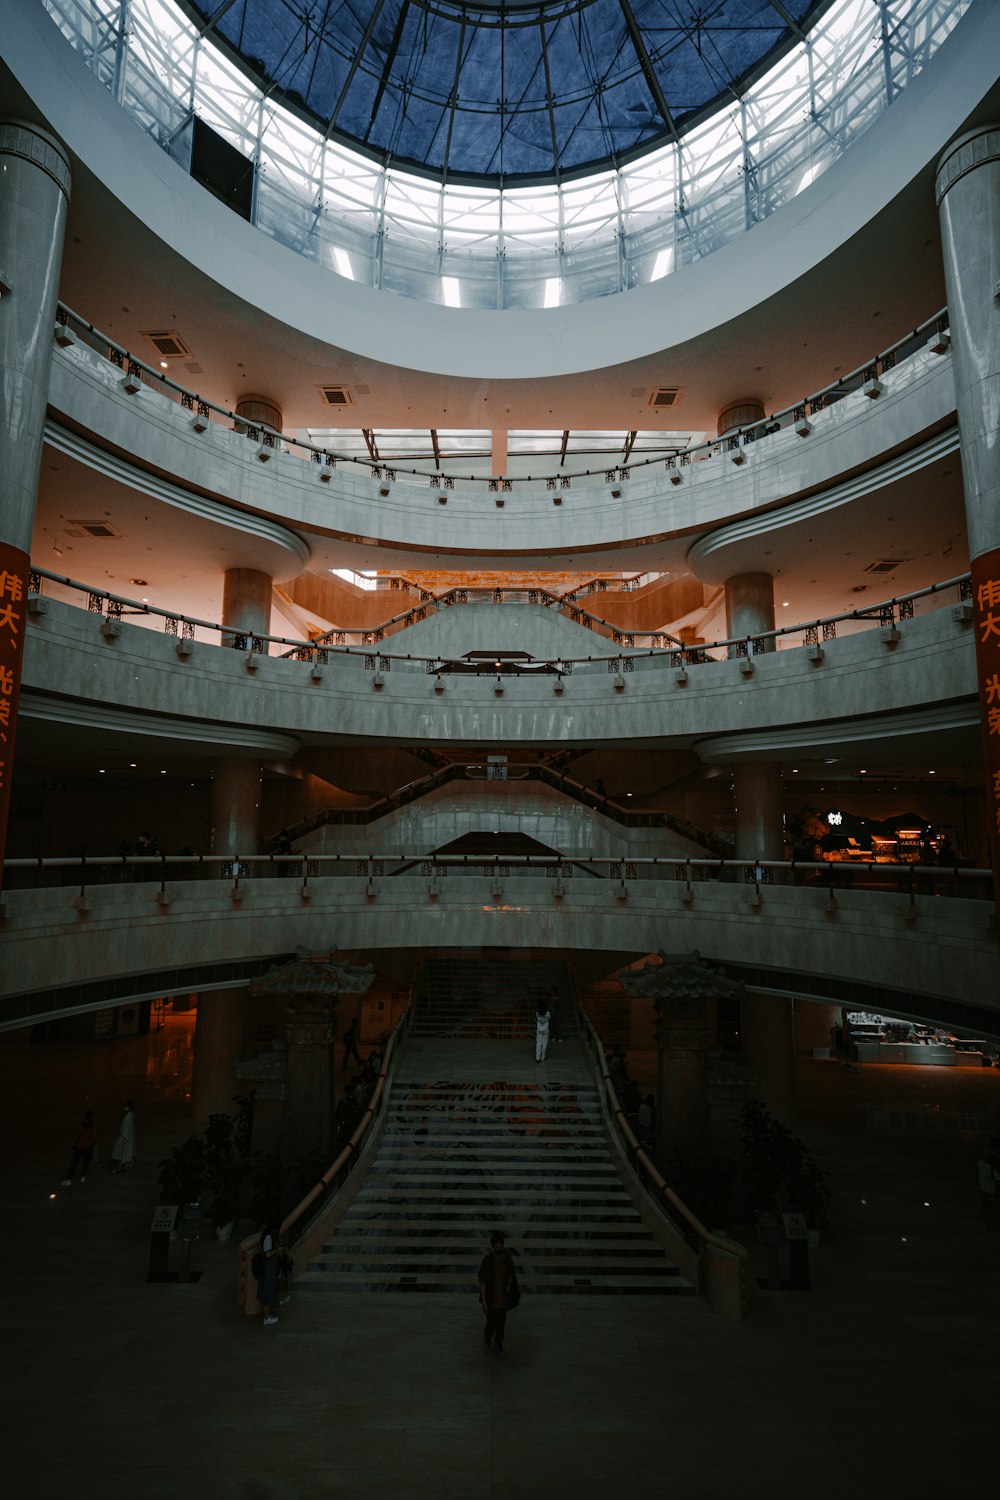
(351, 1045)
(543, 1019)
(83, 1149)
(497, 1290)
(123, 1154)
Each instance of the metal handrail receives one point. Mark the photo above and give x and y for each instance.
(677, 653)
(341, 1162)
(387, 470)
(625, 869)
(696, 1230)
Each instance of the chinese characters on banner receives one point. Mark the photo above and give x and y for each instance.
(986, 617)
(13, 599)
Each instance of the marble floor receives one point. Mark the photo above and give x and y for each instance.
(884, 1382)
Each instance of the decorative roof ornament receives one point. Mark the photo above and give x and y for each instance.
(679, 976)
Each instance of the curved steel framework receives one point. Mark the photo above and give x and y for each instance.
(503, 244)
(512, 90)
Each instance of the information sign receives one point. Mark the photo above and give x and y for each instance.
(795, 1226)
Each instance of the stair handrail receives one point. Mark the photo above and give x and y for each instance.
(422, 785)
(698, 1231)
(343, 1161)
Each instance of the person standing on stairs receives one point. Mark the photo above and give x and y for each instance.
(543, 1019)
(497, 1281)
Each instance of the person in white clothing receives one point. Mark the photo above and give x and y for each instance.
(542, 1019)
(123, 1151)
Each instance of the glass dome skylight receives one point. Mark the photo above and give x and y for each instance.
(484, 90)
(745, 107)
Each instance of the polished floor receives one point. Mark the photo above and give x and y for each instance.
(883, 1382)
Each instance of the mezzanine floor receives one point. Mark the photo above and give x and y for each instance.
(884, 1380)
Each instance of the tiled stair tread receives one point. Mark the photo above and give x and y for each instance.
(444, 1281)
(446, 1130)
(556, 1257)
(463, 1194)
(477, 1170)
(536, 1255)
(519, 1231)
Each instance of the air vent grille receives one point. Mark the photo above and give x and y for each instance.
(663, 396)
(167, 343)
(885, 565)
(336, 395)
(103, 530)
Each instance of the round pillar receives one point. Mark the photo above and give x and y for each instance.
(746, 412)
(750, 608)
(246, 602)
(767, 1044)
(235, 807)
(260, 411)
(757, 798)
(219, 1042)
(682, 1109)
(34, 195)
(968, 194)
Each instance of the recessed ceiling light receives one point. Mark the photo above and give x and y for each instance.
(932, 773)
(132, 765)
(101, 772)
(140, 583)
(163, 364)
(862, 773)
(795, 770)
(784, 603)
(163, 773)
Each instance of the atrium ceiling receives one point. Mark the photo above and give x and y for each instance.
(480, 90)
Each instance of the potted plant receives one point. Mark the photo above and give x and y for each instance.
(780, 1174)
(183, 1176)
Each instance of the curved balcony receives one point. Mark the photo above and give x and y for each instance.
(914, 675)
(889, 419)
(72, 946)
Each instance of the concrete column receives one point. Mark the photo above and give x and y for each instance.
(968, 195)
(757, 798)
(260, 411)
(246, 603)
(681, 1079)
(235, 807)
(219, 1041)
(311, 1031)
(750, 607)
(34, 195)
(767, 1044)
(747, 411)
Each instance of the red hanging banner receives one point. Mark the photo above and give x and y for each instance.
(986, 617)
(14, 565)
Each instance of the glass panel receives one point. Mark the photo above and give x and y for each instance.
(521, 247)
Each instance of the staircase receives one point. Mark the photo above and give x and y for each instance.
(466, 998)
(479, 1137)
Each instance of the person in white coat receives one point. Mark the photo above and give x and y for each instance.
(543, 1018)
(123, 1151)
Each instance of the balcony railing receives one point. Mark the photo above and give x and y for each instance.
(637, 645)
(136, 375)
